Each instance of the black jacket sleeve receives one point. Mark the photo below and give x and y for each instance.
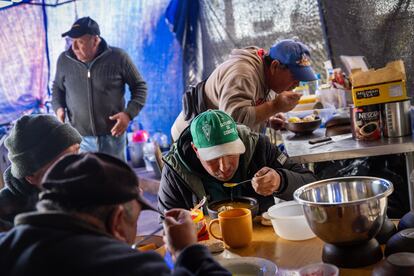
(173, 193)
(198, 261)
(15, 198)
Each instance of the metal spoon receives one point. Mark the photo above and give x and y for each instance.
(231, 185)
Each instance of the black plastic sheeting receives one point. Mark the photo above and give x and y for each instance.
(380, 30)
(231, 24)
(390, 167)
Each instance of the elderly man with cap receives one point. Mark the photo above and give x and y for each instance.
(253, 85)
(86, 223)
(89, 87)
(34, 143)
(212, 151)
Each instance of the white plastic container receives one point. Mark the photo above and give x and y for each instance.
(289, 222)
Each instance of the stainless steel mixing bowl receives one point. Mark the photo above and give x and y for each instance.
(345, 210)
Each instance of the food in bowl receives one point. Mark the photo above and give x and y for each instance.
(147, 247)
(230, 184)
(303, 127)
(151, 243)
(231, 205)
(309, 118)
(216, 207)
(289, 221)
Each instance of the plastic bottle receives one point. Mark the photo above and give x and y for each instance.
(314, 85)
(162, 140)
(149, 155)
(136, 147)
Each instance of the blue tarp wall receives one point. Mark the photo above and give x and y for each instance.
(30, 36)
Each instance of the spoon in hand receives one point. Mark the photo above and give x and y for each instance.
(231, 185)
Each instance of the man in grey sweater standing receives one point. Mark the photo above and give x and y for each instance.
(89, 88)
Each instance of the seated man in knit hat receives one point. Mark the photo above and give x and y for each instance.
(86, 223)
(213, 151)
(34, 143)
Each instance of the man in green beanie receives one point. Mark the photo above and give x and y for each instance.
(34, 144)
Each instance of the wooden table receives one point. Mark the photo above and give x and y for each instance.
(288, 254)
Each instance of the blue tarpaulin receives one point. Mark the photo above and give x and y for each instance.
(30, 35)
(183, 17)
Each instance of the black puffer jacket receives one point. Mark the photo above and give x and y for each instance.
(18, 196)
(54, 243)
(183, 175)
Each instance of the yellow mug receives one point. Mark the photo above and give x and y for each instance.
(236, 227)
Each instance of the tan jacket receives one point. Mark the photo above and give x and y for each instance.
(235, 87)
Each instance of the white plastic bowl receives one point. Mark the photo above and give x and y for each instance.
(289, 222)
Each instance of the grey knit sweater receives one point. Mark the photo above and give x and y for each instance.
(93, 92)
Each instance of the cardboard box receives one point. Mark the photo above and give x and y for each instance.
(379, 93)
(383, 85)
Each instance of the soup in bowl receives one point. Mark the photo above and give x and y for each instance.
(216, 207)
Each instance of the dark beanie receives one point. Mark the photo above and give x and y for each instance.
(91, 179)
(36, 140)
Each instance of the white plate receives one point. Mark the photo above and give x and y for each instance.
(249, 266)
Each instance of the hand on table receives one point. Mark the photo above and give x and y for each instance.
(122, 120)
(179, 230)
(266, 181)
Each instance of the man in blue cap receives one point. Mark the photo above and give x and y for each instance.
(89, 88)
(253, 85)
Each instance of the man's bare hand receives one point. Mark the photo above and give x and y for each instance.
(278, 121)
(286, 101)
(122, 120)
(179, 229)
(60, 114)
(266, 181)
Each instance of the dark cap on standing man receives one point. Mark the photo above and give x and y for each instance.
(91, 179)
(83, 26)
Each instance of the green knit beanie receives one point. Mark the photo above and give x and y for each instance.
(36, 140)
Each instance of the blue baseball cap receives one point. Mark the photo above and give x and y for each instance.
(296, 56)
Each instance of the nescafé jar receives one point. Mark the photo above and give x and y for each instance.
(366, 122)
